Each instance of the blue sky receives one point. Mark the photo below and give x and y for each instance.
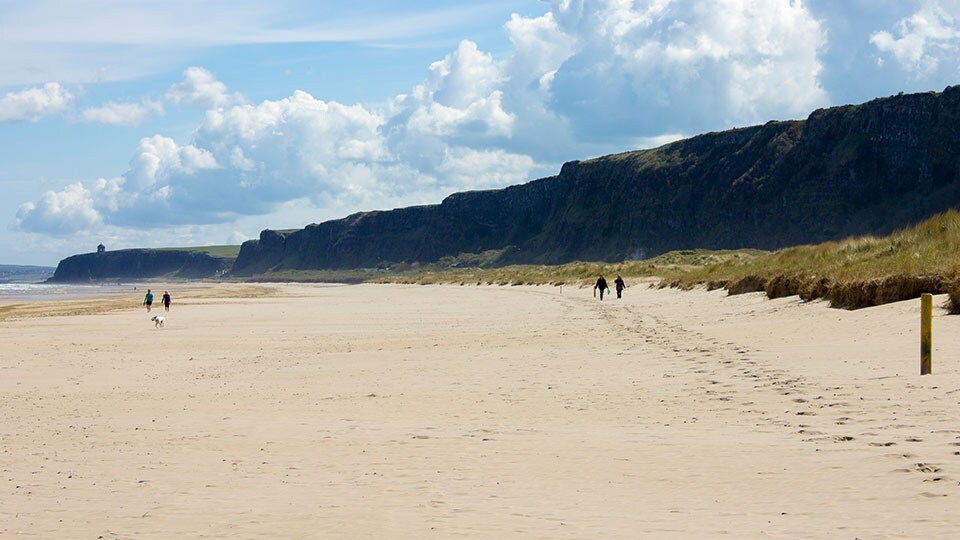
(141, 123)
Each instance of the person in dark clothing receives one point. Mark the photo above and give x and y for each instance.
(166, 300)
(602, 285)
(619, 284)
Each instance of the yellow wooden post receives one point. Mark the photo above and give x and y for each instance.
(926, 329)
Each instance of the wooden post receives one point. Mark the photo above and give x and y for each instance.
(926, 330)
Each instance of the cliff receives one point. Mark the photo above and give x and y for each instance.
(464, 222)
(133, 264)
(857, 169)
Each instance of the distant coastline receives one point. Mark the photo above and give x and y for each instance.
(19, 274)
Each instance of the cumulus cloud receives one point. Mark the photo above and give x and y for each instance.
(34, 103)
(461, 99)
(159, 158)
(251, 159)
(659, 66)
(58, 213)
(464, 168)
(122, 114)
(925, 40)
(201, 89)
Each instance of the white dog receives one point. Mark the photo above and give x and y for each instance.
(157, 321)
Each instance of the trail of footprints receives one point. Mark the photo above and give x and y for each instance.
(824, 414)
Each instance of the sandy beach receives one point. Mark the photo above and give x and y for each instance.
(388, 411)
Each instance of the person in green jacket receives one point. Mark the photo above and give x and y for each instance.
(148, 300)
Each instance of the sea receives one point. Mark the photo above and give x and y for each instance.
(24, 291)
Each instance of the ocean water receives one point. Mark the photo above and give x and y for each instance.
(34, 292)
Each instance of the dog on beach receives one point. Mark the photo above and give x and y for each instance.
(157, 321)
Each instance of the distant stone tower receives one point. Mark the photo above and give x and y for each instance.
(101, 248)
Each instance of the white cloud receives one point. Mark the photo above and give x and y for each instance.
(122, 114)
(926, 39)
(34, 103)
(485, 115)
(540, 48)
(249, 159)
(463, 77)
(292, 146)
(159, 158)
(201, 89)
(465, 168)
(460, 98)
(648, 67)
(59, 213)
(657, 141)
(236, 237)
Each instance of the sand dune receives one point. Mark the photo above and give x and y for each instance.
(380, 411)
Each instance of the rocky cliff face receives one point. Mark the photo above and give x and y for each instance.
(139, 264)
(463, 223)
(860, 169)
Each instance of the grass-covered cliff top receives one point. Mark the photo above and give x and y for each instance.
(852, 273)
(219, 252)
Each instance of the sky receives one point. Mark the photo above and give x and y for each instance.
(147, 123)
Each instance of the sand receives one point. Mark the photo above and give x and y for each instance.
(387, 411)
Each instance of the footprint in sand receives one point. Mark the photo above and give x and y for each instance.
(835, 438)
(936, 479)
(923, 468)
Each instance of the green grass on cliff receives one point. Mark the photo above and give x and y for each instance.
(218, 252)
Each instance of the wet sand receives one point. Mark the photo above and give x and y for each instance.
(387, 411)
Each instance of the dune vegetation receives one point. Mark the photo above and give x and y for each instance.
(851, 273)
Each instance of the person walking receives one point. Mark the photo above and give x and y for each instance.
(166, 300)
(602, 285)
(148, 300)
(619, 284)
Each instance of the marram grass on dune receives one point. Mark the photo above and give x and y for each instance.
(852, 273)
